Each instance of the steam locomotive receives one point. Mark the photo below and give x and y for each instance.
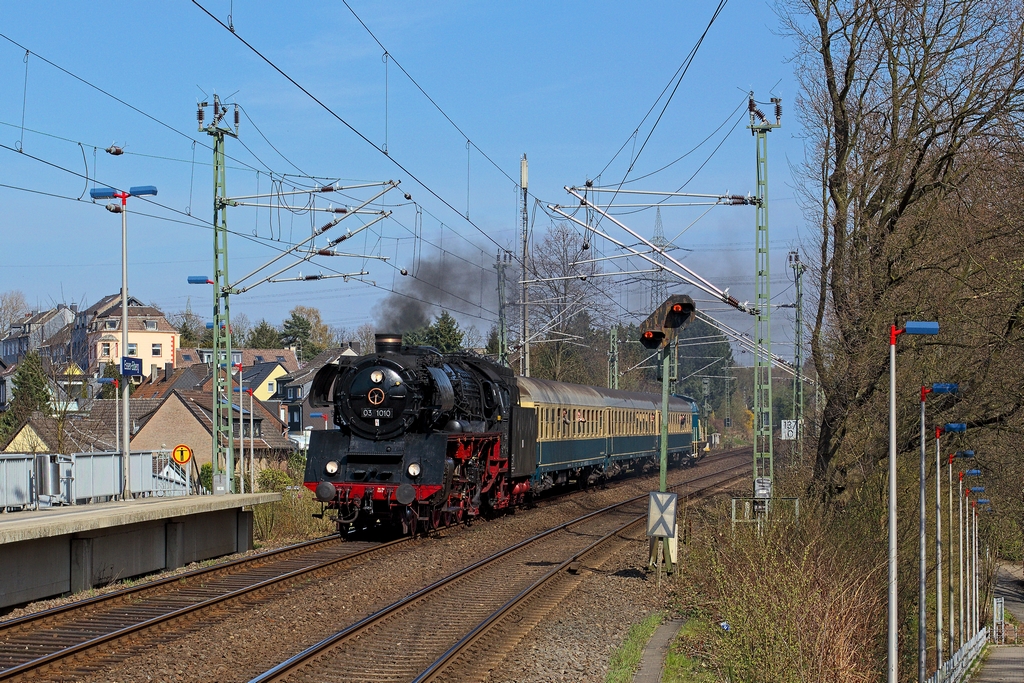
(425, 439)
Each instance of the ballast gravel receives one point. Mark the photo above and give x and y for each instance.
(574, 642)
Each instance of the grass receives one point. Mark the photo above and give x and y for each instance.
(679, 668)
(626, 658)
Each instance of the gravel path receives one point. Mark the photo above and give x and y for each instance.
(251, 636)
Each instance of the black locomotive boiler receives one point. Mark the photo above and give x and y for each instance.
(426, 439)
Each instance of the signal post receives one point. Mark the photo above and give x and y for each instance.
(658, 332)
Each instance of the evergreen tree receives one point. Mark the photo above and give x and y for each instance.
(444, 334)
(31, 393)
(110, 371)
(296, 331)
(263, 336)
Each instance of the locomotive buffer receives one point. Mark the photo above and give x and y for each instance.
(658, 332)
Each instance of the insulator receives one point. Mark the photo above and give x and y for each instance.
(759, 114)
(586, 245)
(216, 109)
(325, 252)
(200, 115)
(403, 271)
(340, 210)
(114, 150)
(236, 117)
(408, 197)
(312, 277)
(778, 109)
(327, 188)
(751, 106)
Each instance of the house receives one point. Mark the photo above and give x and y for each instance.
(185, 417)
(6, 384)
(96, 336)
(72, 433)
(245, 357)
(160, 384)
(29, 333)
(293, 396)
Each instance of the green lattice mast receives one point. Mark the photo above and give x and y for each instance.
(764, 465)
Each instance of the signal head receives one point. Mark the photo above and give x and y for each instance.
(652, 339)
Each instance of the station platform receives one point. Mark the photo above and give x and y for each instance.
(57, 550)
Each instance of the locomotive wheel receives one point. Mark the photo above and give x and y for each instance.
(436, 518)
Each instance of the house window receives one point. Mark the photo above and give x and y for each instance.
(150, 325)
(280, 359)
(259, 359)
(207, 356)
(236, 358)
(187, 357)
(111, 324)
(295, 419)
(133, 349)
(157, 350)
(298, 392)
(270, 387)
(105, 349)
(291, 393)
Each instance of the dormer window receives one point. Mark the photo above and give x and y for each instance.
(151, 325)
(110, 324)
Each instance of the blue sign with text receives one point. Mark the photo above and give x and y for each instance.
(131, 367)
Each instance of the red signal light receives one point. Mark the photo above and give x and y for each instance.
(677, 308)
(648, 335)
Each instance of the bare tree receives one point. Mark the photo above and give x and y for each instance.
(903, 102)
(13, 308)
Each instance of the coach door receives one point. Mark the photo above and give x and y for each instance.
(523, 438)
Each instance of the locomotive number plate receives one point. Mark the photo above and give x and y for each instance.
(378, 413)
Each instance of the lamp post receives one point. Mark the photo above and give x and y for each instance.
(911, 327)
(241, 430)
(964, 561)
(111, 193)
(954, 632)
(973, 521)
(982, 505)
(252, 438)
(951, 427)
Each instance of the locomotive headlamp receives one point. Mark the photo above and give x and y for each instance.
(376, 376)
(414, 469)
(331, 467)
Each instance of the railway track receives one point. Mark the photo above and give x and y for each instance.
(438, 632)
(45, 639)
(82, 638)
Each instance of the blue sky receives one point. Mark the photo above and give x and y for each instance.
(566, 83)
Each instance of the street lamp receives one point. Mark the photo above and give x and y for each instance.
(964, 603)
(911, 327)
(922, 651)
(325, 417)
(952, 456)
(111, 193)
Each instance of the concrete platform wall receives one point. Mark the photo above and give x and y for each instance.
(45, 567)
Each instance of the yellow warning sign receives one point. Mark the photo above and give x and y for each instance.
(182, 454)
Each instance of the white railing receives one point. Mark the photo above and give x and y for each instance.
(956, 667)
(16, 480)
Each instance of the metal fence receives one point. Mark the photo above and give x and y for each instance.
(16, 480)
(87, 478)
(955, 668)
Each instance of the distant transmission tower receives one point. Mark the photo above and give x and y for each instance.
(659, 283)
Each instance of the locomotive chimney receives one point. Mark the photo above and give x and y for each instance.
(388, 343)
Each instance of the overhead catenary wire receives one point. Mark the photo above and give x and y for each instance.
(345, 123)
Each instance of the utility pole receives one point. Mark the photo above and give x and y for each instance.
(500, 264)
(524, 183)
(613, 358)
(764, 465)
(222, 399)
(798, 360)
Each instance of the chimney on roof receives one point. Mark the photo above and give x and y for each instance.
(168, 370)
(153, 370)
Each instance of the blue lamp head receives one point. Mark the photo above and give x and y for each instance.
(106, 380)
(955, 427)
(102, 193)
(920, 327)
(984, 501)
(972, 473)
(320, 415)
(977, 489)
(142, 190)
(965, 454)
(945, 388)
(199, 280)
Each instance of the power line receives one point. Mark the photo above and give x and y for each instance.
(348, 125)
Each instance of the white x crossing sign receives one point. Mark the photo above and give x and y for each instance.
(661, 514)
